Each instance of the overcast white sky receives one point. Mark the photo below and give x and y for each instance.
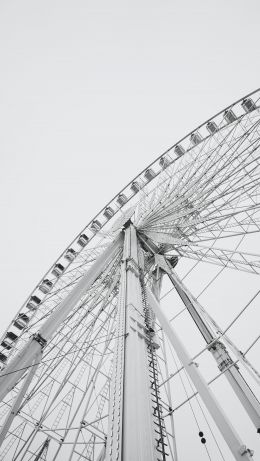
(91, 92)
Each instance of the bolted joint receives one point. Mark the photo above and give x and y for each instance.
(225, 364)
(245, 451)
(221, 355)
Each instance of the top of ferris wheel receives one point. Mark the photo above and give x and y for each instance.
(228, 115)
(232, 114)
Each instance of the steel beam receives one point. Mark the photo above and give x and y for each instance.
(131, 432)
(224, 361)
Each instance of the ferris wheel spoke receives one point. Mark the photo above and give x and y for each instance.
(239, 191)
(57, 317)
(37, 319)
(237, 226)
(232, 259)
(181, 233)
(90, 344)
(228, 190)
(227, 167)
(92, 370)
(220, 220)
(89, 403)
(235, 258)
(73, 363)
(221, 168)
(46, 427)
(66, 338)
(226, 193)
(198, 165)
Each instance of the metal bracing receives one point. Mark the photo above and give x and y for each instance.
(222, 334)
(238, 449)
(19, 398)
(87, 393)
(92, 388)
(131, 433)
(248, 262)
(26, 357)
(94, 336)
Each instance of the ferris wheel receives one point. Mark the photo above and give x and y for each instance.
(141, 341)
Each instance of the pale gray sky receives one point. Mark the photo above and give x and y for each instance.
(91, 92)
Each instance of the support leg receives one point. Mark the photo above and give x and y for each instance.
(131, 432)
(225, 363)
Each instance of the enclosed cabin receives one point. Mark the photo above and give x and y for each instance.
(248, 105)
(212, 127)
(179, 150)
(109, 212)
(121, 199)
(135, 186)
(83, 240)
(45, 286)
(3, 358)
(229, 116)
(33, 303)
(195, 138)
(149, 174)
(164, 161)
(9, 340)
(21, 321)
(70, 254)
(58, 270)
(95, 226)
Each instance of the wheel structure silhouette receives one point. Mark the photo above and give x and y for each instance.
(141, 341)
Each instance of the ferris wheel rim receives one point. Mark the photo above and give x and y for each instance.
(87, 227)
